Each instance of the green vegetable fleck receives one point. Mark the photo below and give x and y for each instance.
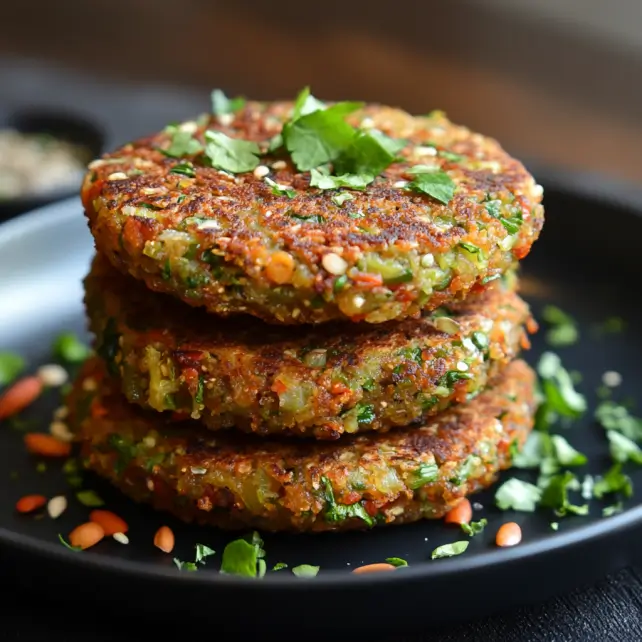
(89, 498)
(231, 154)
(305, 570)
(11, 365)
(70, 349)
(449, 550)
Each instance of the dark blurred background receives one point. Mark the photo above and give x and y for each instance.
(558, 81)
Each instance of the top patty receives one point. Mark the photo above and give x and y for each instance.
(291, 253)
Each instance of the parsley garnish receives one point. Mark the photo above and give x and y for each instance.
(243, 557)
(201, 554)
(305, 570)
(340, 198)
(306, 103)
(339, 512)
(449, 550)
(516, 494)
(321, 178)
(563, 329)
(425, 474)
(279, 565)
(11, 365)
(613, 416)
(221, 104)
(474, 528)
(365, 413)
(70, 349)
(434, 182)
(185, 169)
(182, 143)
(369, 154)
(555, 495)
(511, 224)
(89, 498)
(396, 561)
(231, 154)
(622, 448)
(565, 454)
(280, 190)
(613, 481)
(614, 509)
(557, 386)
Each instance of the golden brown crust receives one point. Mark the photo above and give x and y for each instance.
(165, 228)
(237, 481)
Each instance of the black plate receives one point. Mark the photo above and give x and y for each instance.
(62, 125)
(586, 262)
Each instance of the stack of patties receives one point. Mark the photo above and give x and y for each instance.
(306, 317)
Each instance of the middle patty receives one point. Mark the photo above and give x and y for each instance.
(317, 381)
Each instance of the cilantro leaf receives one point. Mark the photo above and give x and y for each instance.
(280, 190)
(434, 182)
(516, 494)
(279, 565)
(563, 329)
(449, 550)
(396, 561)
(202, 552)
(555, 495)
(231, 154)
(11, 365)
(241, 557)
(185, 566)
(340, 198)
(365, 413)
(182, 143)
(622, 448)
(319, 137)
(369, 154)
(306, 103)
(185, 169)
(70, 349)
(557, 386)
(474, 528)
(613, 481)
(336, 512)
(614, 509)
(424, 474)
(565, 454)
(221, 104)
(323, 180)
(613, 416)
(533, 452)
(511, 224)
(89, 498)
(305, 570)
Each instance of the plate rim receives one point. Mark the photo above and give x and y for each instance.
(58, 212)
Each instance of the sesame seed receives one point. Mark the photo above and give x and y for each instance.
(121, 538)
(334, 264)
(462, 366)
(52, 375)
(358, 301)
(427, 260)
(384, 404)
(226, 119)
(261, 171)
(279, 164)
(60, 431)
(400, 184)
(611, 379)
(117, 176)
(424, 150)
(367, 123)
(57, 506)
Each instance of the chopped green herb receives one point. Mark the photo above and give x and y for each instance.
(622, 448)
(396, 561)
(279, 566)
(557, 387)
(200, 391)
(89, 498)
(424, 474)
(185, 566)
(320, 136)
(182, 143)
(516, 494)
(340, 198)
(480, 340)
(555, 495)
(203, 552)
(365, 413)
(221, 104)
(434, 182)
(305, 570)
(279, 190)
(11, 365)
(185, 169)
(306, 103)
(449, 550)
(70, 349)
(474, 528)
(563, 329)
(565, 453)
(336, 512)
(241, 557)
(613, 481)
(231, 154)
(451, 156)
(340, 283)
(322, 179)
(614, 509)
(555, 526)
(533, 452)
(67, 545)
(511, 224)
(369, 154)
(613, 416)
(469, 247)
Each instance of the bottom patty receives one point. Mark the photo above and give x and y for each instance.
(237, 481)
